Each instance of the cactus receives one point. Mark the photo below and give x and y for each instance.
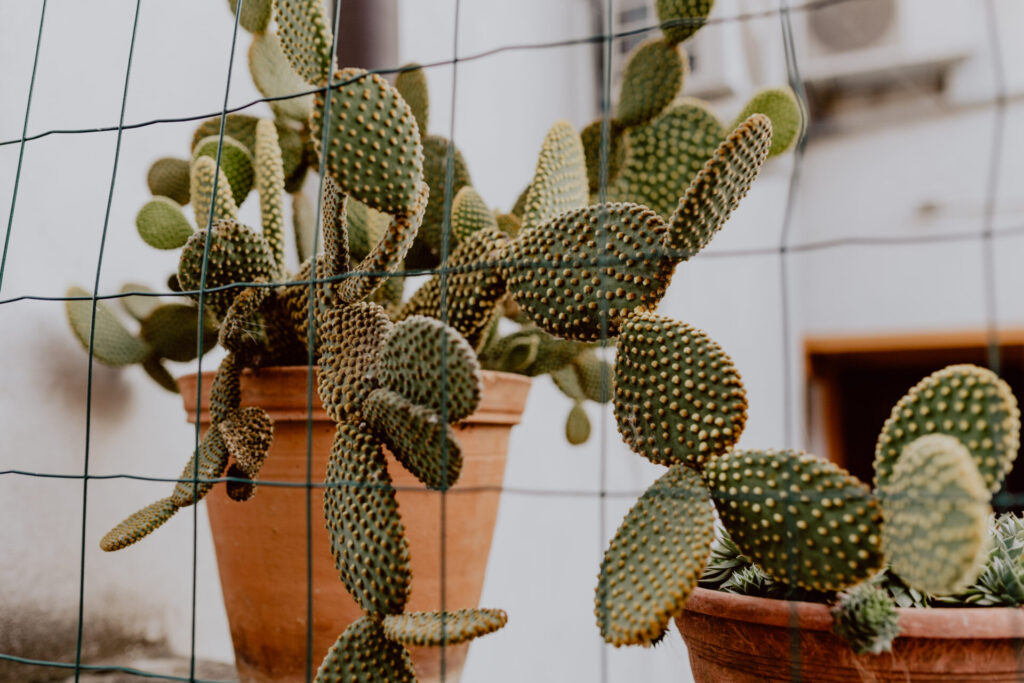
(866, 618)
(236, 163)
(169, 177)
(162, 224)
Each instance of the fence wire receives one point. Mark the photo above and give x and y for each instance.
(988, 236)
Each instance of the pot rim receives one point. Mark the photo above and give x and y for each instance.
(948, 623)
(283, 392)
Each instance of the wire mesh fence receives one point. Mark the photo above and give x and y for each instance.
(982, 235)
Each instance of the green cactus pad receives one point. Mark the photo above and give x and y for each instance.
(162, 224)
(335, 228)
(113, 344)
(367, 535)
(212, 457)
(866, 618)
(417, 437)
(473, 286)
(390, 294)
(470, 214)
(203, 171)
(170, 177)
(787, 116)
(159, 374)
(680, 19)
(172, 331)
(138, 525)
(652, 79)
(226, 392)
(964, 401)
(364, 654)
(678, 396)
(237, 254)
(427, 250)
(514, 353)
(255, 14)
(577, 425)
(386, 256)
(805, 521)
(351, 340)
(243, 128)
(247, 434)
(595, 376)
(655, 560)
(305, 38)
(687, 135)
(304, 224)
(936, 509)
(274, 77)
(590, 137)
(419, 354)
(560, 180)
(373, 143)
(568, 382)
(243, 330)
(240, 487)
(366, 227)
(136, 305)
(235, 162)
(434, 629)
(718, 188)
(411, 84)
(269, 181)
(555, 276)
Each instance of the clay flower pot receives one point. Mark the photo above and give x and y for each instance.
(261, 544)
(738, 639)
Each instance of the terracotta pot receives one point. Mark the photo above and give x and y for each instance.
(738, 639)
(262, 548)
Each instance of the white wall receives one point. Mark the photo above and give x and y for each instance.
(865, 180)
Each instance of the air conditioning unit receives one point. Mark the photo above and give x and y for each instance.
(867, 42)
(716, 56)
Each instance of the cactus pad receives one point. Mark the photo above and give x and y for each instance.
(590, 137)
(655, 560)
(435, 174)
(419, 354)
(560, 180)
(688, 134)
(235, 162)
(239, 486)
(719, 186)
(577, 425)
(365, 226)
(138, 525)
(136, 305)
(255, 14)
(269, 181)
(678, 397)
(435, 629)
(474, 285)
(334, 224)
(351, 341)
(971, 403)
(169, 177)
(113, 344)
(936, 509)
(226, 392)
(411, 84)
(243, 128)
(204, 169)
(417, 437)
(680, 19)
(162, 224)
(274, 77)
(595, 376)
(469, 214)
(172, 331)
(212, 457)
(367, 535)
(364, 654)
(509, 224)
(237, 254)
(386, 256)
(558, 276)
(247, 434)
(652, 79)
(305, 38)
(373, 145)
(787, 116)
(805, 521)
